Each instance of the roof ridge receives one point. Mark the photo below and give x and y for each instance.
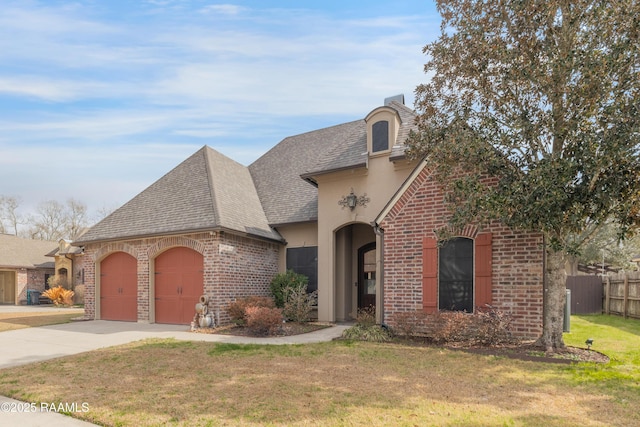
(214, 203)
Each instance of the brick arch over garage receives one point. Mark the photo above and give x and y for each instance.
(106, 250)
(170, 242)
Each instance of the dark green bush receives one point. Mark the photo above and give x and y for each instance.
(282, 282)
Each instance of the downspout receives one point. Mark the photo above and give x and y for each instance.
(380, 233)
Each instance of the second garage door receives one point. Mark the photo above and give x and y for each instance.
(179, 274)
(119, 287)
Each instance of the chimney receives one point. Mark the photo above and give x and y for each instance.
(396, 98)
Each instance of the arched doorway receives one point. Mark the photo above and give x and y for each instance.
(354, 283)
(118, 287)
(179, 283)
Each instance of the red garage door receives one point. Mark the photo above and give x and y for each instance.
(119, 287)
(178, 285)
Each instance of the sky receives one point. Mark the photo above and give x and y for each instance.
(99, 99)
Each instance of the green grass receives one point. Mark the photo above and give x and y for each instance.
(619, 339)
(170, 382)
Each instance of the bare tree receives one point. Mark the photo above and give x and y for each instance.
(10, 219)
(76, 218)
(49, 221)
(54, 221)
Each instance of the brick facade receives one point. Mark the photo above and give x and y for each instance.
(234, 266)
(32, 279)
(517, 258)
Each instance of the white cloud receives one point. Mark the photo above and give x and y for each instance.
(108, 96)
(223, 9)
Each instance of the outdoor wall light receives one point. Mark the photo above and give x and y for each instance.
(351, 200)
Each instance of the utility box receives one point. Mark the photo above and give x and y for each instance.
(566, 325)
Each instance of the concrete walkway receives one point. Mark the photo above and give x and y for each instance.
(24, 346)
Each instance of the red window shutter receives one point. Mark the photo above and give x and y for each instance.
(483, 253)
(429, 274)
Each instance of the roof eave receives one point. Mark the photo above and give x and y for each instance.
(309, 175)
(175, 233)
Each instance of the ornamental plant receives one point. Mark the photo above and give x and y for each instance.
(282, 282)
(237, 309)
(263, 320)
(60, 296)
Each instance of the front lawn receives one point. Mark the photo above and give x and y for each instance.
(168, 382)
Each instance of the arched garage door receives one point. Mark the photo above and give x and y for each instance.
(179, 282)
(119, 287)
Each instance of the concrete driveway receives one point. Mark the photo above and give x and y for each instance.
(24, 346)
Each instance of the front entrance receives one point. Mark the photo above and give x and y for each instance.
(367, 276)
(7, 287)
(354, 270)
(179, 283)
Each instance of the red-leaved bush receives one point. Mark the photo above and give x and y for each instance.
(237, 309)
(263, 320)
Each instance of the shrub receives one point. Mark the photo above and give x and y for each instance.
(374, 333)
(59, 295)
(284, 281)
(299, 304)
(237, 309)
(366, 328)
(411, 324)
(488, 327)
(263, 320)
(447, 327)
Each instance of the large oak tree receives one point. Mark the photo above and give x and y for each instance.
(542, 96)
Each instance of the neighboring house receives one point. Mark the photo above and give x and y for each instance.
(342, 205)
(68, 269)
(23, 266)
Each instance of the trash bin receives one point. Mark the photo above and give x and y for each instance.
(34, 297)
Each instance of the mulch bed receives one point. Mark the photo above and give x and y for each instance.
(287, 329)
(530, 352)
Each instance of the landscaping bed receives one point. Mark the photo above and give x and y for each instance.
(287, 329)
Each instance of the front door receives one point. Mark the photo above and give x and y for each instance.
(367, 276)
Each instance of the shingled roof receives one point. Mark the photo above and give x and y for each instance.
(16, 252)
(210, 191)
(207, 191)
(286, 198)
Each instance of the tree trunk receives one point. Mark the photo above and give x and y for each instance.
(553, 300)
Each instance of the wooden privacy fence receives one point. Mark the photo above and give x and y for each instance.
(622, 294)
(586, 294)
